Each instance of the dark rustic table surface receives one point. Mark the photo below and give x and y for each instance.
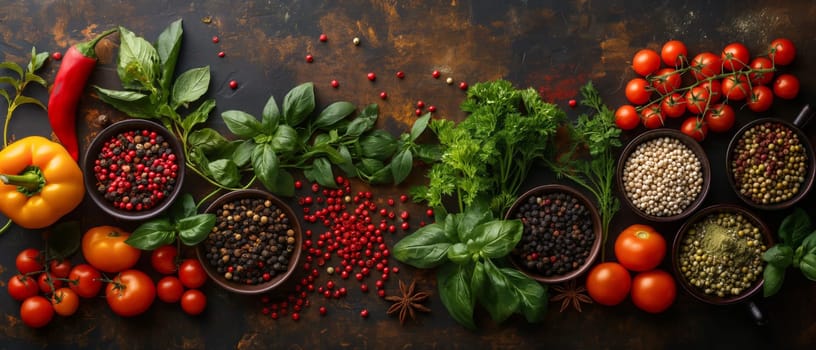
(553, 46)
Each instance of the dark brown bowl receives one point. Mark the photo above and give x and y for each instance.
(596, 228)
(696, 292)
(693, 145)
(91, 182)
(279, 278)
(801, 120)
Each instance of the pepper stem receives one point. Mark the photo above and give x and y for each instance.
(5, 227)
(87, 48)
(29, 182)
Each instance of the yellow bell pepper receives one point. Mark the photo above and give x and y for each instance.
(39, 182)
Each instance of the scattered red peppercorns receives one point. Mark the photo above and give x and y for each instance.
(463, 85)
(432, 109)
(364, 313)
(401, 75)
(420, 104)
(418, 112)
(309, 58)
(372, 76)
(335, 84)
(56, 56)
(215, 40)
(324, 37)
(573, 103)
(221, 54)
(383, 95)
(233, 84)
(436, 74)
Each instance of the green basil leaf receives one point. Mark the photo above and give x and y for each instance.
(168, 47)
(808, 266)
(370, 166)
(772, 279)
(360, 125)
(183, 207)
(225, 172)
(298, 104)
(285, 139)
(532, 296)
(347, 165)
(138, 65)
(420, 125)
(152, 234)
(455, 293)
(194, 229)
(64, 240)
(497, 294)
(474, 215)
(425, 248)
(459, 254)
(795, 227)
(270, 116)
(37, 60)
(379, 144)
(382, 176)
(199, 115)
(242, 124)
(321, 171)
(498, 237)
(190, 86)
(429, 153)
(284, 184)
(452, 223)
(243, 153)
(401, 165)
(478, 278)
(134, 104)
(779, 255)
(197, 157)
(207, 140)
(327, 150)
(265, 163)
(809, 243)
(333, 113)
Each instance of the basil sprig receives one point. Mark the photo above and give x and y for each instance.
(797, 249)
(182, 223)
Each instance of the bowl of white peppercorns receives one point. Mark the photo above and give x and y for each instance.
(664, 175)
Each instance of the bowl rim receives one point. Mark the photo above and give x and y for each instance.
(596, 228)
(91, 182)
(279, 278)
(689, 142)
(811, 163)
(676, 246)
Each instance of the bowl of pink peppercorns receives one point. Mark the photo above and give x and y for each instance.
(134, 169)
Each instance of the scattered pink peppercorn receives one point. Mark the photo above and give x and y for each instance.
(463, 86)
(418, 112)
(298, 184)
(215, 40)
(432, 109)
(401, 74)
(335, 84)
(364, 313)
(322, 310)
(233, 84)
(420, 104)
(572, 103)
(56, 56)
(372, 76)
(309, 58)
(383, 95)
(403, 198)
(436, 74)
(221, 54)
(324, 37)
(295, 316)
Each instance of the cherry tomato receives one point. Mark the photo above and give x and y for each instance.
(192, 274)
(673, 106)
(640, 248)
(706, 65)
(626, 117)
(60, 268)
(163, 259)
(637, 92)
(130, 293)
(193, 302)
(786, 86)
(43, 281)
(696, 99)
(720, 118)
(736, 87)
(88, 280)
(765, 73)
(28, 261)
(22, 287)
(695, 128)
(666, 80)
(735, 56)
(104, 248)
(714, 88)
(169, 289)
(782, 51)
(653, 291)
(646, 62)
(36, 312)
(674, 53)
(608, 283)
(652, 116)
(65, 301)
(761, 98)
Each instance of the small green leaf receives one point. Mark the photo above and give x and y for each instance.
(138, 65)
(207, 140)
(347, 165)
(419, 126)
(808, 266)
(183, 207)
(425, 248)
(225, 172)
(382, 176)
(12, 66)
(190, 86)
(37, 60)
(498, 237)
(795, 227)
(321, 171)
(270, 116)
(773, 278)
(809, 243)
(459, 254)
(64, 240)
(22, 99)
(152, 234)
(298, 104)
(241, 123)
(194, 229)
(285, 139)
(497, 295)
(455, 293)
(168, 48)
(284, 184)
(199, 115)
(5, 96)
(35, 78)
(429, 153)
(474, 215)
(379, 144)
(401, 165)
(243, 153)
(265, 163)
(333, 113)
(532, 296)
(779, 255)
(134, 104)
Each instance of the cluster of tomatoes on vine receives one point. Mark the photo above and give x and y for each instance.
(672, 86)
(46, 286)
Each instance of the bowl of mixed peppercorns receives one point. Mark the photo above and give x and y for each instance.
(255, 244)
(134, 169)
(561, 233)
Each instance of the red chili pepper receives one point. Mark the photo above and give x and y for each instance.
(77, 65)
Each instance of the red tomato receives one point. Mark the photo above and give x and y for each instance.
(104, 248)
(761, 98)
(22, 287)
(652, 116)
(695, 128)
(640, 248)
(131, 293)
(666, 80)
(763, 68)
(193, 302)
(88, 280)
(673, 106)
(706, 65)
(735, 56)
(65, 301)
(163, 259)
(674, 53)
(646, 62)
(169, 289)
(782, 51)
(626, 117)
(637, 91)
(46, 281)
(192, 274)
(786, 86)
(720, 118)
(736, 87)
(36, 312)
(60, 268)
(696, 99)
(714, 89)
(28, 261)
(653, 291)
(608, 283)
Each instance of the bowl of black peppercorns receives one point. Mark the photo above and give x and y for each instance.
(562, 233)
(255, 244)
(134, 169)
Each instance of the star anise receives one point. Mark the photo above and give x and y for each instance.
(571, 293)
(409, 301)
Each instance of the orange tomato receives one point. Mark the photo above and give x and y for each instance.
(640, 248)
(65, 301)
(653, 291)
(608, 283)
(104, 248)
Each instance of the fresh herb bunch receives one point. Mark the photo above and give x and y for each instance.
(597, 135)
(797, 249)
(19, 83)
(182, 224)
(466, 247)
(489, 154)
